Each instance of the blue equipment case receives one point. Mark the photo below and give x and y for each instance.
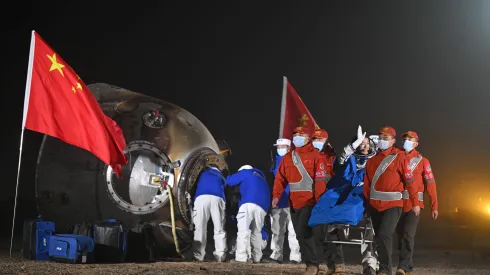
(35, 241)
(71, 248)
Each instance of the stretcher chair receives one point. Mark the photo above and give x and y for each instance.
(362, 233)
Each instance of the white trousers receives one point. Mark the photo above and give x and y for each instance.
(249, 250)
(205, 207)
(280, 220)
(251, 216)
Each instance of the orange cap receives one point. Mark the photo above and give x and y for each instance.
(411, 134)
(320, 133)
(301, 130)
(387, 130)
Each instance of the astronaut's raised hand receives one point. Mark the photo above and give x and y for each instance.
(360, 138)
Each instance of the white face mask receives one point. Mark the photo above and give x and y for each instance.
(299, 141)
(282, 151)
(318, 145)
(383, 144)
(408, 145)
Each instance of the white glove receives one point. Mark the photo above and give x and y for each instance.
(360, 138)
(374, 138)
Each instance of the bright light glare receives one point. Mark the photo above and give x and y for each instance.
(488, 209)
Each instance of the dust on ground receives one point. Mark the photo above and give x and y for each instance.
(427, 262)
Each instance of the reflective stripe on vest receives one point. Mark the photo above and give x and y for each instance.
(379, 195)
(412, 165)
(405, 195)
(306, 183)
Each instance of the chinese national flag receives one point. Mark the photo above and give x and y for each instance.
(293, 112)
(58, 104)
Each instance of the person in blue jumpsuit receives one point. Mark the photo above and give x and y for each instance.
(254, 203)
(209, 202)
(343, 202)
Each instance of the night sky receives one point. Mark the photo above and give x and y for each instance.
(414, 65)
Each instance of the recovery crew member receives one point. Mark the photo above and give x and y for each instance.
(423, 178)
(303, 170)
(386, 177)
(209, 202)
(320, 142)
(253, 206)
(281, 216)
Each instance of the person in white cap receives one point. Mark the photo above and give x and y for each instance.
(209, 202)
(254, 203)
(281, 217)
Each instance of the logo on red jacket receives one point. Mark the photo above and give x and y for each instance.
(322, 166)
(428, 168)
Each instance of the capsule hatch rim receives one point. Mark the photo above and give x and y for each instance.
(150, 208)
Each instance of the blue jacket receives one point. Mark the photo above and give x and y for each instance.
(211, 182)
(253, 187)
(284, 200)
(343, 202)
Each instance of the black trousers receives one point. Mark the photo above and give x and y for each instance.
(304, 234)
(333, 251)
(384, 224)
(406, 229)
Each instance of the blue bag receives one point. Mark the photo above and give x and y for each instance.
(71, 248)
(35, 242)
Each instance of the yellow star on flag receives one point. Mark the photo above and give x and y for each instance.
(79, 86)
(73, 89)
(303, 119)
(55, 65)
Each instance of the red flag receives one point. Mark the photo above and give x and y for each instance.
(60, 105)
(293, 112)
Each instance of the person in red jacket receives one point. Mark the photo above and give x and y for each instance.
(423, 179)
(303, 169)
(386, 177)
(331, 251)
(319, 140)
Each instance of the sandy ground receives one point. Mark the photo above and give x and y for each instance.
(427, 262)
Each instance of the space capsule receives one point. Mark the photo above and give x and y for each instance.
(163, 141)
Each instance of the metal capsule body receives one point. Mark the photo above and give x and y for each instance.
(73, 186)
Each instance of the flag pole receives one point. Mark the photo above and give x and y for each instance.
(26, 105)
(283, 106)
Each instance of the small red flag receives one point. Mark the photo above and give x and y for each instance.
(293, 112)
(60, 105)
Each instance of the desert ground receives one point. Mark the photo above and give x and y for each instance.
(427, 262)
(441, 248)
